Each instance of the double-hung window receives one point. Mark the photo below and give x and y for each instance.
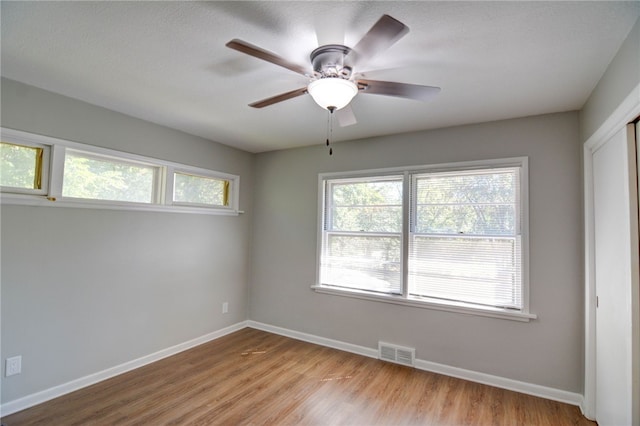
(465, 244)
(448, 237)
(362, 238)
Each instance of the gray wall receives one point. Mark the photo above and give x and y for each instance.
(84, 290)
(622, 75)
(547, 351)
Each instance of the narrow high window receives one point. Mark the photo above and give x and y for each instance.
(190, 189)
(23, 168)
(98, 177)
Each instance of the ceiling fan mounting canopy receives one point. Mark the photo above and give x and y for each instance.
(333, 69)
(329, 61)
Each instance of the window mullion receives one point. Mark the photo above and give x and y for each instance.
(406, 223)
(167, 191)
(56, 172)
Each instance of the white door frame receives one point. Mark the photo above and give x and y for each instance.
(627, 111)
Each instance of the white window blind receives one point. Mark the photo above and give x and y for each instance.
(465, 238)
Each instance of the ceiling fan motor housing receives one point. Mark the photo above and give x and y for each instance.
(329, 61)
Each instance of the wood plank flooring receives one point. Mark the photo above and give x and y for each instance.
(252, 377)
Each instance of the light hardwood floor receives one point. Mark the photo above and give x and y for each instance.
(252, 377)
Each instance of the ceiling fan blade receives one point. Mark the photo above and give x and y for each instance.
(279, 98)
(380, 37)
(346, 117)
(265, 55)
(401, 90)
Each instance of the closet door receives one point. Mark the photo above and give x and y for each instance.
(615, 199)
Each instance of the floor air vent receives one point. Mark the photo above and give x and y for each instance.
(397, 354)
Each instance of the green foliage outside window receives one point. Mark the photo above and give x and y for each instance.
(104, 179)
(367, 206)
(20, 166)
(200, 190)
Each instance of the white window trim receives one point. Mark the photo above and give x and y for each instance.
(458, 307)
(52, 197)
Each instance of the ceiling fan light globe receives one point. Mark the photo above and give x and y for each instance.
(332, 92)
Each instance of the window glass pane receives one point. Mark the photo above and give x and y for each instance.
(100, 178)
(374, 206)
(200, 190)
(20, 166)
(363, 262)
(478, 203)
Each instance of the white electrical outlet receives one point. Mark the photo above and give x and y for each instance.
(13, 366)
(225, 307)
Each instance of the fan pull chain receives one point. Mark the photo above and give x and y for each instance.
(330, 128)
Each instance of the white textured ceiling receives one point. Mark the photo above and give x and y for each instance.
(166, 62)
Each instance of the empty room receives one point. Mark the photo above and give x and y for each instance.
(319, 213)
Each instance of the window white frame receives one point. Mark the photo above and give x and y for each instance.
(53, 169)
(406, 299)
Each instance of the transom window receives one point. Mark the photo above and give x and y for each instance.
(98, 177)
(23, 167)
(46, 171)
(445, 236)
(197, 190)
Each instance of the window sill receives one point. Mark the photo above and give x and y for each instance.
(457, 307)
(42, 201)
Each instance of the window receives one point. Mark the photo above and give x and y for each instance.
(451, 237)
(44, 171)
(96, 177)
(200, 190)
(464, 242)
(23, 167)
(362, 242)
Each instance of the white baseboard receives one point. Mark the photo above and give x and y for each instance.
(56, 391)
(488, 379)
(502, 382)
(310, 338)
(473, 376)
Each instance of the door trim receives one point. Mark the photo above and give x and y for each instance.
(627, 111)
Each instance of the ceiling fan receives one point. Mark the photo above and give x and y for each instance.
(333, 81)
